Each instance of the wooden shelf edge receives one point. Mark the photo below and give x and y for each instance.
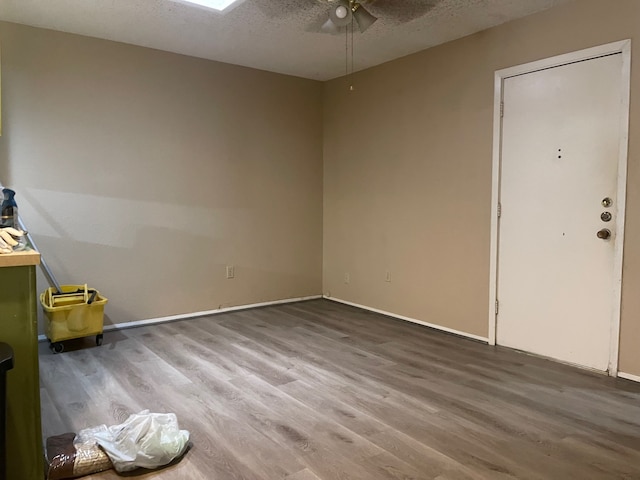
(20, 259)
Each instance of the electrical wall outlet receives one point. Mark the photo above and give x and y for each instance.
(346, 278)
(231, 271)
(387, 276)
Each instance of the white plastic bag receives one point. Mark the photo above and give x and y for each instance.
(147, 440)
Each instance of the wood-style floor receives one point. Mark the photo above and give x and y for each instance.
(319, 390)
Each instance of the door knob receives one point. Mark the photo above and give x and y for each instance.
(604, 234)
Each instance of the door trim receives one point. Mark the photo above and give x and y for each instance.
(623, 47)
(628, 376)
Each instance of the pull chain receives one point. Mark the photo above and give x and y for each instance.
(351, 86)
(346, 52)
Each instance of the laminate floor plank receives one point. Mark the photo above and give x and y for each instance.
(450, 393)
(54, 424)
(321, 391)
(450, 437)
(493, 421)
(338, 409)
(496, 420)
(311, 433)
(427, 459)
(378, 409)
(219, 425)
(305, 474)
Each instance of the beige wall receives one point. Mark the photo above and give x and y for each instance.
(144, 173)
(407, 171)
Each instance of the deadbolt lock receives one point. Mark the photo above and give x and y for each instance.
(607, 202)
(604, 234)
(605, 217)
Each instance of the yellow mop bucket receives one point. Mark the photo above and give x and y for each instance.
(73, 311)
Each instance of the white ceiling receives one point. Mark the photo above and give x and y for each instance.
(277, 35)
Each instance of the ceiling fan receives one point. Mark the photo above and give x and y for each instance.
(366, 12)
(343, 12)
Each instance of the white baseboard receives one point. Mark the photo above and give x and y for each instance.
(412, 320)
(185, 316)
(628, 376)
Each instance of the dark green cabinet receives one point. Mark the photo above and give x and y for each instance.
(19, 328)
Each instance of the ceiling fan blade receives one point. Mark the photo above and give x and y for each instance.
(330, 27)
(401, 12)
(273, 9)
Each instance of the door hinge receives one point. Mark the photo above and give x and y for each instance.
(499, 209)
(497, 306)
(501, 109)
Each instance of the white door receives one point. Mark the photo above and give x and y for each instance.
(560, 149)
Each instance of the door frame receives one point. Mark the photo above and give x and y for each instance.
(623, 47)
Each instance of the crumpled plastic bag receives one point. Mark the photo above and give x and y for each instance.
(146, 440)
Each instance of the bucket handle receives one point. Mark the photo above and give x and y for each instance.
(94, 292)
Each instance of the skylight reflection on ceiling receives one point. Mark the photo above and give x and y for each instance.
(217, 5)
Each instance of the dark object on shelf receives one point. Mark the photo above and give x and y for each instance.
(9, 209)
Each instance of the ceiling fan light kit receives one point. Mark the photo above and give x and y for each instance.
(342, 12)
(363, 17)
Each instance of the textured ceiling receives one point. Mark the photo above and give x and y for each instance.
(277, 35)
